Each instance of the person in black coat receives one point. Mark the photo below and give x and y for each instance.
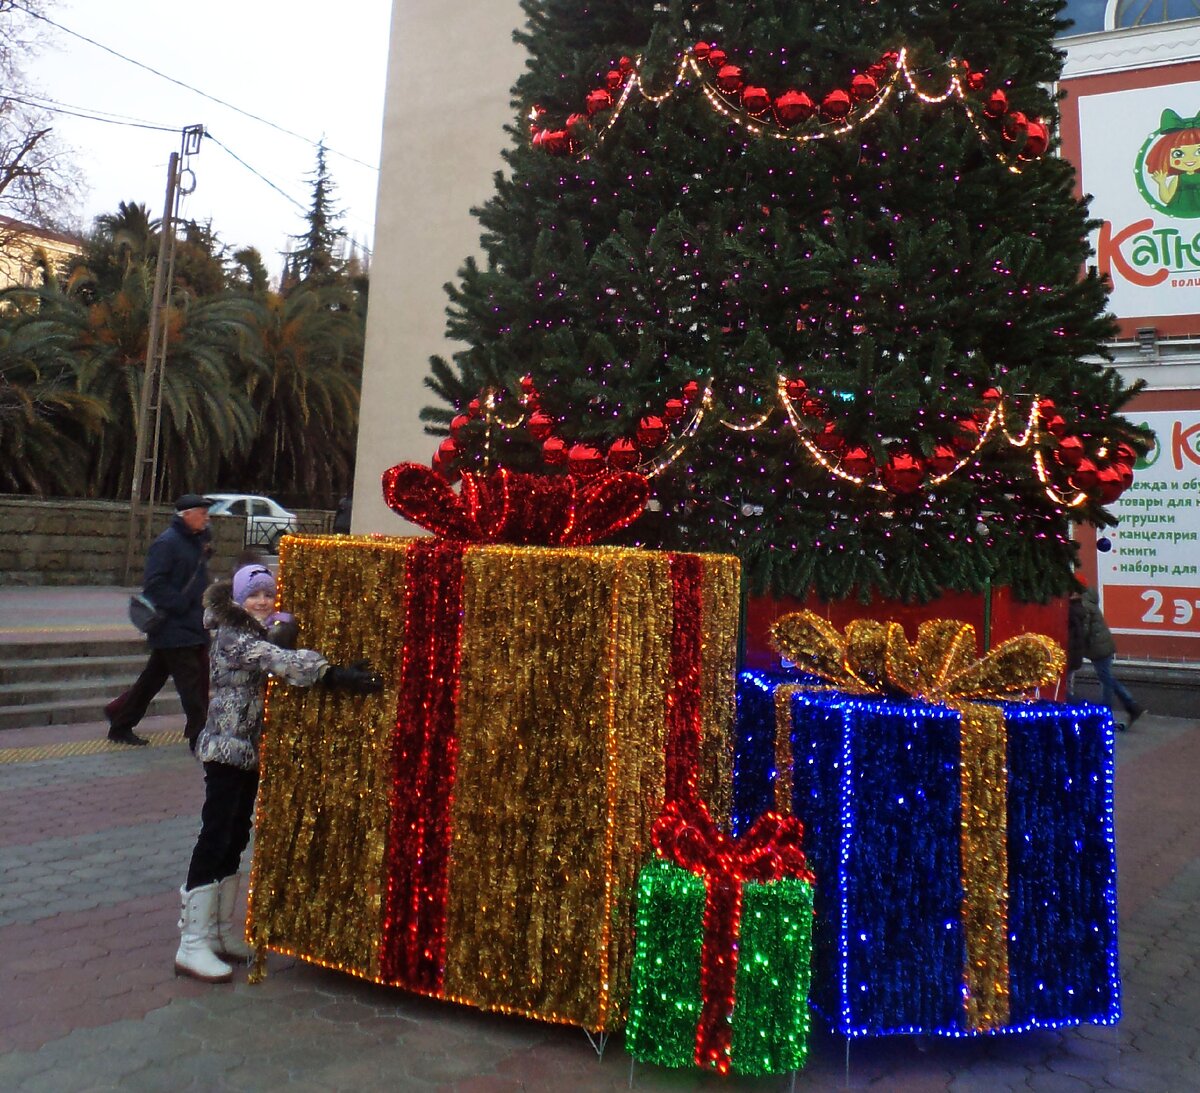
(175, 578)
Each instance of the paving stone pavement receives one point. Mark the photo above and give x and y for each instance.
(94, 846)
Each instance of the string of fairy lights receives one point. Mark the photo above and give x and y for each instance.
(752, 108)
(1075, 481)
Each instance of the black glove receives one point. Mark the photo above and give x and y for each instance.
(356, 677)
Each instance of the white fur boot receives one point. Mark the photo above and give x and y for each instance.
(227, 934)
(195, 956)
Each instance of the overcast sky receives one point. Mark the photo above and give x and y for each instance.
(316, 69)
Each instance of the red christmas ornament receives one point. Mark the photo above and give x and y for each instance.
(1015, 125)
(1124, 475)
(674, 409)
(1109, 481)
(755, 100)
(835, 105)
(1125, 454)
(976, 80)
(584, 460)
(796, 389)
(1085, 476)
(991, 396)
(1056, 425)
(691, 391)
(793, 106)
(625, 64)
(623, 454)
(966, 436)
(598, 100)
(651, 432)
(944, 459)
(457, 424)
(613, 79)
(903, 473)
(473, 407)
(829, 440)
(716, 58)
(863, 87)
(557, 142)
(554, 451)
(858, 461)
(1069, 451)
(1037, 140)
(701, 51)
(996, 104)
(539, 425)
(891, 58)
(811, 406)
(574, 121)
(444, 458)
(877, 71)
(730, 79)
(528, 387)
(539, 139)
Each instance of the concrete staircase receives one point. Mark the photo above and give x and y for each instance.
(69, 682)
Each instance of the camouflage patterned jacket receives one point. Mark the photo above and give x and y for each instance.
(240, 658)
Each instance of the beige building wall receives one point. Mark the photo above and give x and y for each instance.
(451, 68)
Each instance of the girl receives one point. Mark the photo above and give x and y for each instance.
(1173, 163)
(240, 658)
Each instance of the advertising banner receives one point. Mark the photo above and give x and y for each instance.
(1140, 161)
(1150, 578)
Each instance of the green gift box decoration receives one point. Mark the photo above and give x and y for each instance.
(721, 963)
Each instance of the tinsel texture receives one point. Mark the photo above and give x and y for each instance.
(536, 699)
(724, 929)
(965, 852)
(874, 657)
(511, 507)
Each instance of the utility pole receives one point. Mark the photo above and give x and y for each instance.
(144, 488)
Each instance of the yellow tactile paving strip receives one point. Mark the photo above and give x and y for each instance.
(82, 747)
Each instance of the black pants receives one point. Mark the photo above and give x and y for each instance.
(225, 823)
(188, 667)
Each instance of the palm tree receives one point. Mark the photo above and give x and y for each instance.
(206, 417)
(46, 425)
(306, 396)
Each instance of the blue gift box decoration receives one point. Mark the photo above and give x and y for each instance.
(933, 916)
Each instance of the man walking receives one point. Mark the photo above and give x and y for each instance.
(175, 579)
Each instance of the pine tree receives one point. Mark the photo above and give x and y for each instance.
(316, 259)
(827, 327)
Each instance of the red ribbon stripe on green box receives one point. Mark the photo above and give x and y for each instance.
(723, 948)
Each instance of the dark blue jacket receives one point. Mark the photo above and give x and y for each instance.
(175, 579)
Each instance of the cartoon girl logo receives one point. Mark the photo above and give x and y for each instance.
(1169, 162)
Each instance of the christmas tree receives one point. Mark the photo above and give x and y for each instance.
(816, 270)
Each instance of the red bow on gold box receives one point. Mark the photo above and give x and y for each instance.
(511, 507)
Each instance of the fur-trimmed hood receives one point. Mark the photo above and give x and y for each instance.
(220, 609)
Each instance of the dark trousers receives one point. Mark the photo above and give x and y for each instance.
(188, 667)
(225, 823)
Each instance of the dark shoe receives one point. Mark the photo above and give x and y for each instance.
(1136, 711)
(127, 737)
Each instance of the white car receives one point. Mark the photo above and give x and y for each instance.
(267, 521)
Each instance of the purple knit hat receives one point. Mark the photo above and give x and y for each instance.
(250, 579)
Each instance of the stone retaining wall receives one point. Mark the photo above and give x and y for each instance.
(69, 542)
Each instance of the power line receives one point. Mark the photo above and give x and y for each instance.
(194, 90)
(258, 174)
(115, 119)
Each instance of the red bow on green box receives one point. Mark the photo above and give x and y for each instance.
(771, 850)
